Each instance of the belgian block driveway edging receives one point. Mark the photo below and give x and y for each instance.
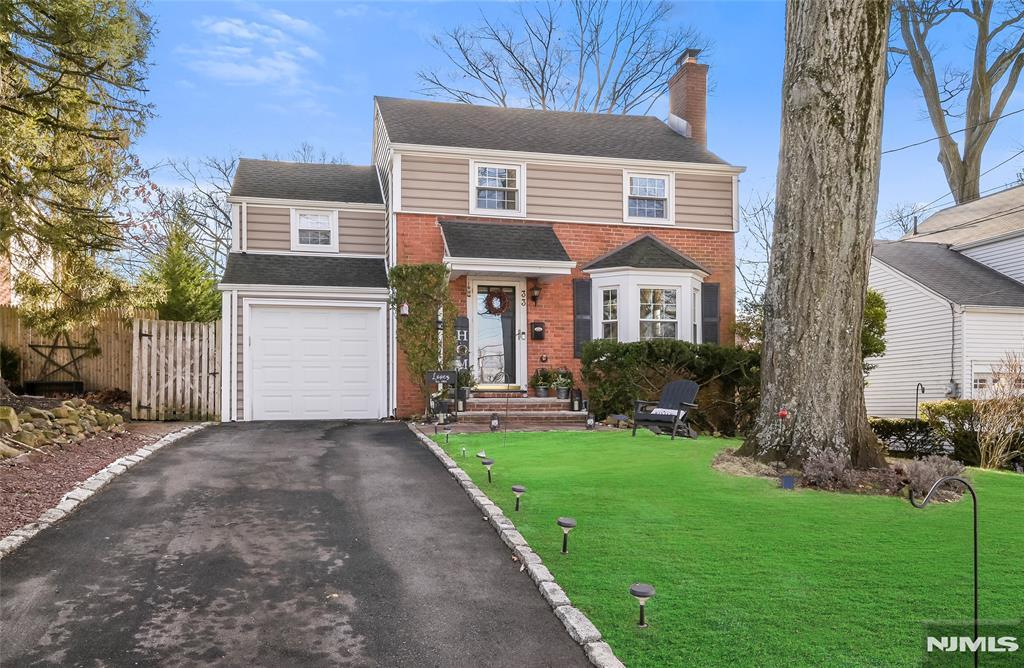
(70, 502)
(580, 628)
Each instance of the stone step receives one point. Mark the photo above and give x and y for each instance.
(518, 404)
(521, 417)
(498, 394)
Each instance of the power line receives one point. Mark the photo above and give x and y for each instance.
(955, 132)
(889, 223)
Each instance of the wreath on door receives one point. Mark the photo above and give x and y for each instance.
(496, 302)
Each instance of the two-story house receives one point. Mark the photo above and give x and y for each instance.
(954, 292)
(582, 225)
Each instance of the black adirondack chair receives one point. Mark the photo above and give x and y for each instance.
(677, 399)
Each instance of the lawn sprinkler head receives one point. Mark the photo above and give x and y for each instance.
(488, 463)
(642, 592)
(567, 524)
(518, 490)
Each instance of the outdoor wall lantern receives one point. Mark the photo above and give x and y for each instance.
(518, 490)
(788, 482)
(535, 294)
(488, 463)
(591, 422)
(974, 499)
(641, 592)
(918, 391)
(495, 422)
(567, 524)
(403, 309)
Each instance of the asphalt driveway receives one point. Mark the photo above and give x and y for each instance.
(278, 544)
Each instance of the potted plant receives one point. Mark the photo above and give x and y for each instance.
(467, 382)
(562, 383)
(540, 381)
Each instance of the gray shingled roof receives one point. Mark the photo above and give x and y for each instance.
(502, 241)
(989, 217)
(560, 132)
(953, 275)
(645, 252)
(265, 269)
(306, 180)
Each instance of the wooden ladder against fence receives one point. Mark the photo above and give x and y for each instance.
(175, 370)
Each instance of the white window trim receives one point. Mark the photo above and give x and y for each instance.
(618, 311)
(296, 246)
(680, 331)
(670, 197)
(629, 281)
(520, 168)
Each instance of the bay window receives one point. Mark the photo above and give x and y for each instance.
(658, 315)
(610, 314)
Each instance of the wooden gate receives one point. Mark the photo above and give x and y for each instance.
(175, 370)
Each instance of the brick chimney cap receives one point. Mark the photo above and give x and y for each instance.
(689, 56)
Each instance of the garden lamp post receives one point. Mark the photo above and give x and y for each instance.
(518, 490)
(447, 431)
(974, 499)
(488, 463)
(641, 592)
(918, 391)
(567, 524)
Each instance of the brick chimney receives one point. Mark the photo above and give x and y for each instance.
(688, 95)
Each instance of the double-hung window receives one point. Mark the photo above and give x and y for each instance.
(610, 314)
(314, 230)
(497, 189)
(659, 318)
(648, 198)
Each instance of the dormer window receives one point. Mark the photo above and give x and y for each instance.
(648, 198)
(315, 230)
(497, 189)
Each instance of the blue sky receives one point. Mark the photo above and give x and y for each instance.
(260, 78)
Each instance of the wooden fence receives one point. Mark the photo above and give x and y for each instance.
(175, 370)
(107, 364)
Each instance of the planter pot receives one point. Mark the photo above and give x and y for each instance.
(464, 393)
(562, 392)
(541, 391)
(442, 406)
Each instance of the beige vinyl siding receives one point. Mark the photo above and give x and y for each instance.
(920, 331)
(269, 228)
(1005, 256)
(435, 184)
(564, 192)
(704, 201)
(573, 193)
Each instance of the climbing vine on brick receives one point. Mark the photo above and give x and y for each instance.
(424, 287)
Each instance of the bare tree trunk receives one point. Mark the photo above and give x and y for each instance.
(826, 200)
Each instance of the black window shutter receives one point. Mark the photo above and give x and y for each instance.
(581, 325)
(710, 312)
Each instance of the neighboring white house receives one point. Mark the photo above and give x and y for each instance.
(954, 295)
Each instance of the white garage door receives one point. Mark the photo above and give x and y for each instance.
(315, 362)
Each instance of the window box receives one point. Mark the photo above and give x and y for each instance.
(497, 189)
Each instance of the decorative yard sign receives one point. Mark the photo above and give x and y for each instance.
(442, 377)
(462, 340)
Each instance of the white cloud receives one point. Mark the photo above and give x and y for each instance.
(351, 10)
(290, 23)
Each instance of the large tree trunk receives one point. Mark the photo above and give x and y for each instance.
(826, 199)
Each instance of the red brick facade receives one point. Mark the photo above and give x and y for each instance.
(418, 239)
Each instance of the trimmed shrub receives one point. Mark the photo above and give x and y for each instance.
(955, 421)
(617, 374)
(907, 437)
(827, 469)
(922, 473)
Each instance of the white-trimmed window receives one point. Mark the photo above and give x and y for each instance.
(497, 189)
(659, 315)
(610, 314)
(648, 198)
(315, 230)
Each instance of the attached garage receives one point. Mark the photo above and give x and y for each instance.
(315, 362)
(305, 338)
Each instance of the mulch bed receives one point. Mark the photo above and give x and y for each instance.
(34, 483)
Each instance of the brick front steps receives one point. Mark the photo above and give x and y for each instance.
(517, 404)
(522, 410)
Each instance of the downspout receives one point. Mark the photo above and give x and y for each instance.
(951, 390)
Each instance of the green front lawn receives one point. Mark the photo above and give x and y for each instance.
(746, 573)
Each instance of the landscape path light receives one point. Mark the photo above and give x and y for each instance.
(641, 592)
(495, 422)
(567, 524)
(488, 463)
(591, 422)
(518, 490)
